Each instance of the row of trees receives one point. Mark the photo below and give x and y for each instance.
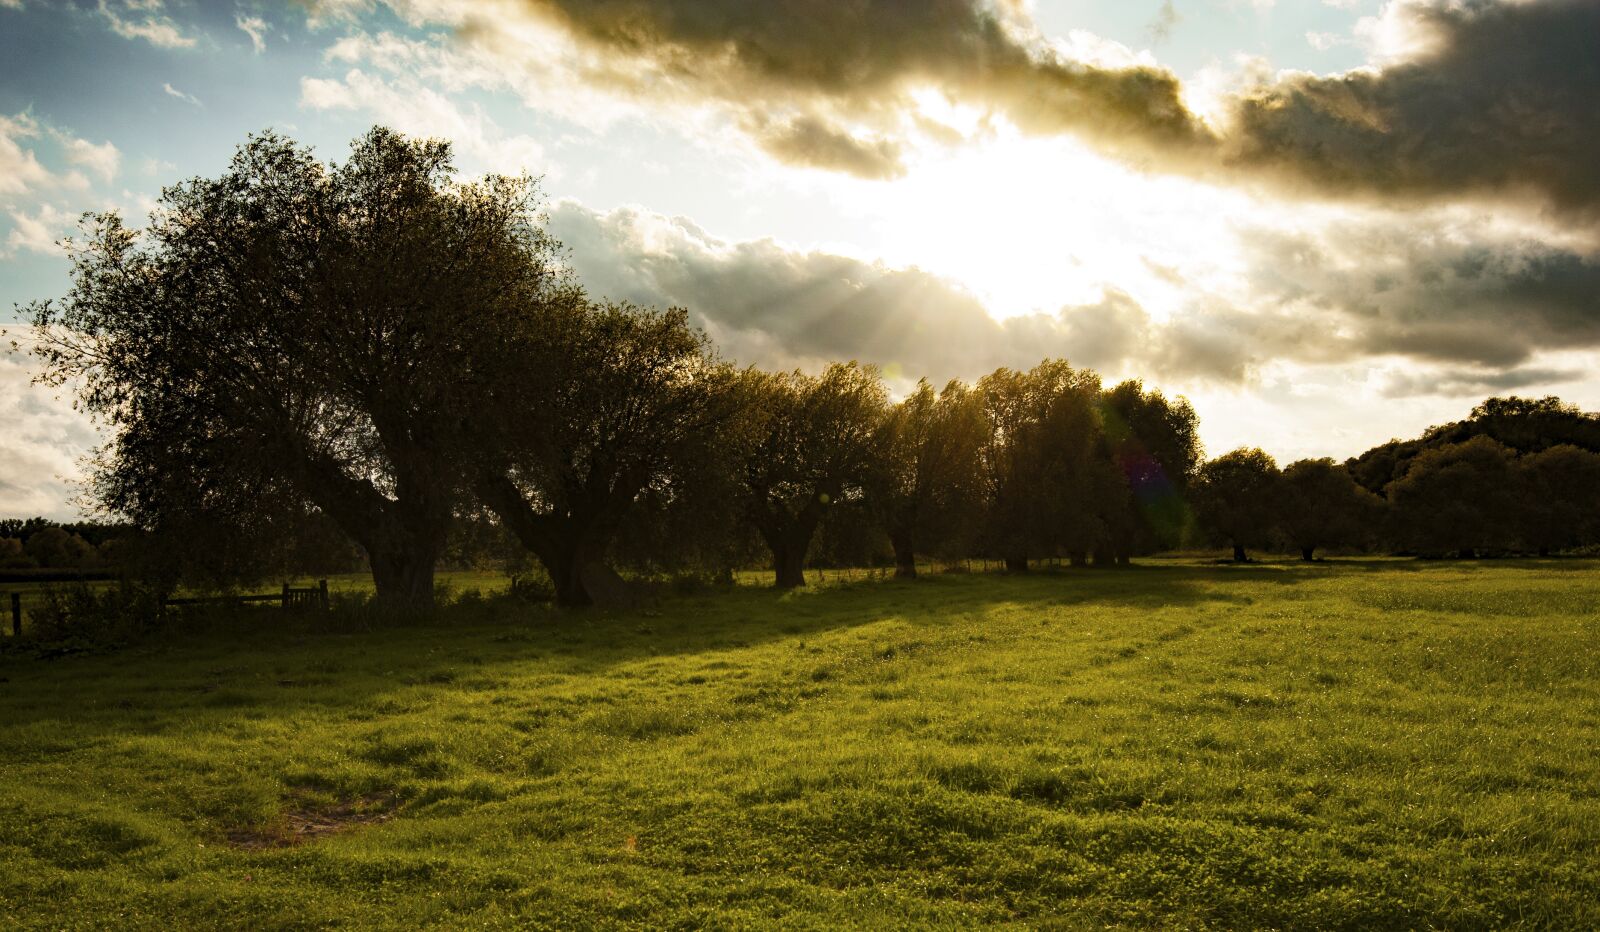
(297, 357)
(1517, 475)
(377, 347)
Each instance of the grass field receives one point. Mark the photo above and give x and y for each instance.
(1350, 745)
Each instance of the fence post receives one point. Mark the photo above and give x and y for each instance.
(322, 584)
(16, 614)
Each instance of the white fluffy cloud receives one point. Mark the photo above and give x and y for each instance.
(45, 440)
(417, 109)
(37, 232)
(144, 19)
(187, 98)
(101, 159)
(256, 28)
(19, 168)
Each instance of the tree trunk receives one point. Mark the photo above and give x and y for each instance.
(1016, 564)
(560, 543)
(566, 573)
(1239, 555)
(905, 555)
(1078, 558)
(1104, 557)
(1306, 553)
(403, 578)
(788, 564)
(1123, 558)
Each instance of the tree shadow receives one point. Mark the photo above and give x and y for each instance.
(283, 672)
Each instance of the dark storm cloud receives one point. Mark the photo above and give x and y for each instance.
(811, 141)
(1506, 101)
(1431, 293)
(1469, 382)
(859, 60)
(1502, 102)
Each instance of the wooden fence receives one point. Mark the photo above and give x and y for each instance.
(290, 598)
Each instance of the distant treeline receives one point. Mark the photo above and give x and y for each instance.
(373, 363)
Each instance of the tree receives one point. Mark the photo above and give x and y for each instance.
(924, 473)
(1236, 496)
(1463, 497)
(1155, 444)
(1561, 503)
(811, 445)
(1321, 506)
(1036, 460)
(1524, 425)
(291, 332)
(56, 548)
(625, 396)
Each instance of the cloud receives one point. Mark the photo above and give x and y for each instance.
(1474, 382)
(1165, 20)
(45, 438)
(256, 28)
(103, 159)
(21, 171)
(808, 140)
(415, 109)
(143, 19)
(1430, 291)
(1478, 99)
(186, 98)
(825, 85)
(765, 304)
(1463, 297)
(19, 168)
(38, 232)
(1469, 99)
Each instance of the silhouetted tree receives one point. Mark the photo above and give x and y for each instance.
(56, 548)
(1236, 497)
(811, 445)
(1462, 497)
(293, 332)
(1321, 506)
(1036, 460)
(1523, 425)
(924, 473)
(1155, 445)
(1561, 501)
(623, 394)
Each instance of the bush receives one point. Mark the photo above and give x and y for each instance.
(84, 617)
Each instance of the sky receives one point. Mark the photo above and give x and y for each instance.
(1325, 222)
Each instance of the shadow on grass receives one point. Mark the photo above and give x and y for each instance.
(276, 671)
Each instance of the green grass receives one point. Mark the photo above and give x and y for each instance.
(1358, 745)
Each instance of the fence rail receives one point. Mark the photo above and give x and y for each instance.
(290, 598)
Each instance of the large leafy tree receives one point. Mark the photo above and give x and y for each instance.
(1561, 506)
(924, 474)
(811, 444)
(630, 399)
(1322, 506)
(1155, 445)
(1045, 475)
(1237, 497)
(294, 332)
(1462, 497)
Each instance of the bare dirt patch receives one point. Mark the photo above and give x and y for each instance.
(308, 818)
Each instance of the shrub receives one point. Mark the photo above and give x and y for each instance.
(84, 617)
